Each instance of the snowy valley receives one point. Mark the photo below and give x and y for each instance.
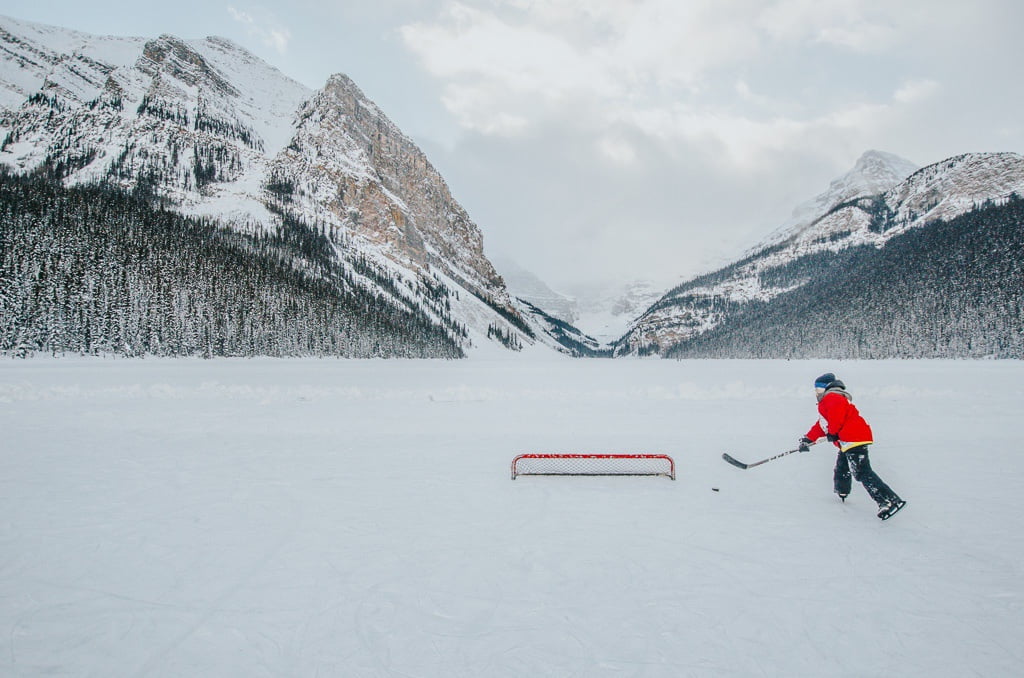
(193, 482)
(331, 203)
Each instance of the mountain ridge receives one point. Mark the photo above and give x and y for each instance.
(782, 264)
(215, 132)
(874, 172)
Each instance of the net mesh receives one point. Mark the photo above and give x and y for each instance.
(593, 465)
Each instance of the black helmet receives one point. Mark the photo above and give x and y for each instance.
(826, 380)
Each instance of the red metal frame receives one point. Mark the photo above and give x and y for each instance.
(670, 460)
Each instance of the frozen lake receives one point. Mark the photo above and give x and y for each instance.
(356, 518)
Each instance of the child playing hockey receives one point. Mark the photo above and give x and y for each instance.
(842, 425)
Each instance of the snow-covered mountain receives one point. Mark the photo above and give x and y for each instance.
(880, 199)
(874, 172)
(599, 313)
(551, 315)
(529, 287)
(605, 311)
(216, 132)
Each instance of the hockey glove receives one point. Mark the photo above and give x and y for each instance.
(805, 444)
(832, 437)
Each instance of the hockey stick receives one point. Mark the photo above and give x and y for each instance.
(740, 464)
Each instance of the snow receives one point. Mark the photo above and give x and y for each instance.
(299, 517)
(875, 172)
(607, 311)
(941, 191)
(268, 99)
(37, 54)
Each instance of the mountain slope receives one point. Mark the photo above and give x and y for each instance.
(606, 311)
(874, 172)
(949, 289)
(590, 316)
(214, 132)
(800, 254)
(93, 269)
(527, 286)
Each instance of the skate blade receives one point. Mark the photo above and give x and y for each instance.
(894, 510)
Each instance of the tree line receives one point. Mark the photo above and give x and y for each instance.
(95, 269)
(951, 289)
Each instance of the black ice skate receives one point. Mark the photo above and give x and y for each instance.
(890, 508)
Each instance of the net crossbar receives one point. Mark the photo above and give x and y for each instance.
(594, 465)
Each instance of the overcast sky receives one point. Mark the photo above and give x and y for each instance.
(596, 140)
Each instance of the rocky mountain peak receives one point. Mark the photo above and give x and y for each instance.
(220, 134)
(416, 202)
(880, 169)
(874, 172)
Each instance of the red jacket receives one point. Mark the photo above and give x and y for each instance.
(839, 416)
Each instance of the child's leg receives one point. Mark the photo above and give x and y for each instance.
(841, 476)
(863, 473)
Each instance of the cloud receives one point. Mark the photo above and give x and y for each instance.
(656, 135)
(655, 65)
(609, 48)
(916, 90)
(859, 25)
(748, 142)
(266, 29)
(499, 74)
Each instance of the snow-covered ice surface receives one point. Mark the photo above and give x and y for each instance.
(357, 518)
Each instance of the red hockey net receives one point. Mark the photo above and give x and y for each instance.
(594, 465)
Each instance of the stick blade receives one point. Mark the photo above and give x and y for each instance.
(734, 462)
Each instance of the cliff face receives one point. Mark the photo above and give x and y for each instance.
(348, 157)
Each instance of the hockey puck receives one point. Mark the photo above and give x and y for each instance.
(714, 489)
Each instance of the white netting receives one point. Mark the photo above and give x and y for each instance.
(593, 465)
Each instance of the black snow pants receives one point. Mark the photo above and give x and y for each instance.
(856, 459)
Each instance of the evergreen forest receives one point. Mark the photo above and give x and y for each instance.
(951, 289)
(97, 270)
